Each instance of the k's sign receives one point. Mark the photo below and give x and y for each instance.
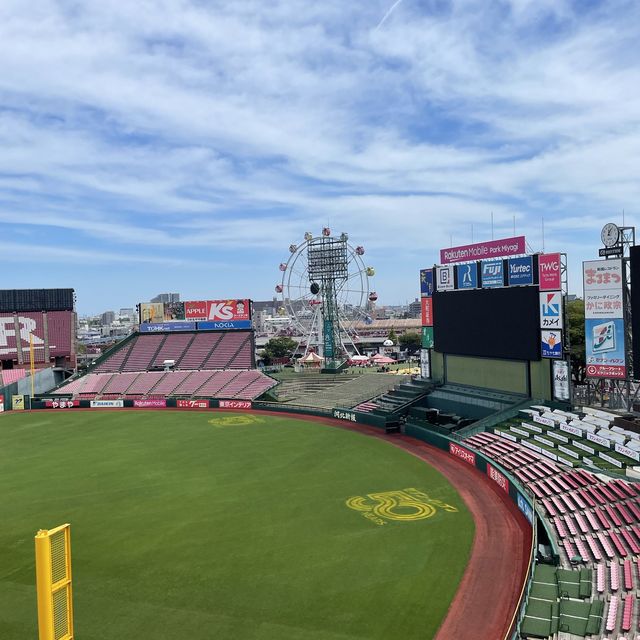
(217, 310)
(549, 278)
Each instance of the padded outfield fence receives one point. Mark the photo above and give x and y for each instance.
(512, 488)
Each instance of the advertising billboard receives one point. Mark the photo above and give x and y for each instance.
(490, 323)
(192, 404)
(425, 363)
(427, 312)
(561, 381)
(604, 323)
(427, 338)
(520, 271)
(603, 289)
(151, 312)
(1, 402)
(426, 282)
(605, 348)
(219, 326)
(173, 311)
(481, 250)
(444, 278)
(551, 310)
(235, 404)
(151, 327)
(549, 272)
(467, 275)
(499, 478)
(17, 402)
(217, 310)
(492, 273)
(551, 344)
(147, 403)
(464, 454)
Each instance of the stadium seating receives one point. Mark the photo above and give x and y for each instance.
(9, 376)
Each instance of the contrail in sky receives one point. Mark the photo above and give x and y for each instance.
(386, 15)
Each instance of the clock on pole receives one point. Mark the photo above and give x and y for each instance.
(610, 234)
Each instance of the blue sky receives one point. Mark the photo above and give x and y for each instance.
(178, 145)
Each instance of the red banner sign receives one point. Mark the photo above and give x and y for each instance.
(192, 404)
(483, 250)
(468, 456)
(606, 371)
(217, 310)
(61, 404)
(235, 404)
(156, 403)
(427, 312)
(499, 478)
(549, 278)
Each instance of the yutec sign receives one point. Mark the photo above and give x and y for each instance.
(520, 271)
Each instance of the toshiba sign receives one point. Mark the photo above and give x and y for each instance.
(463, 454)
(217, 310)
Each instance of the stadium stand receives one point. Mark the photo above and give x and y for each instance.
(596, 521)
(9, 376)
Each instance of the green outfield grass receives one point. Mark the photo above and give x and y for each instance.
(201, 526)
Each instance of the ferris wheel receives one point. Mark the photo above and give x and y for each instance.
(325, 288)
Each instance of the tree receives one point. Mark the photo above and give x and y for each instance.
(393, 336)
(410, 341)
(280, 347)
(575, 322)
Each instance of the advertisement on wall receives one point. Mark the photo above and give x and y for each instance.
(106, 404)
(235, 404)
(492, 273)
(499, 478)
(427, 338)
(426, 282)
(220, 326)
(1, 402)
(217, 310)
(444, 278)
(467, 276)
(427, 312)
(192, 404)
(551, 344)
(464, 454)
(150, 403)
(152, 327)
(520, 271)
(481, 250)
(549, 272)
(604, 323)
(551, 310)
(425, 363)
(17, 403)
(151, 312)
(561, 381)
(61, 404)
(525, 507)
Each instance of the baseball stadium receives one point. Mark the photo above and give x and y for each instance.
(176, 487)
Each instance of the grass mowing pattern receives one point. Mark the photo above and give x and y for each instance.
(214, 525)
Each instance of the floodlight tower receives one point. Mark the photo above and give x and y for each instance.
(328, 270)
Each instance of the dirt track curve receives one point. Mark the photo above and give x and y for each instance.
(488, 594)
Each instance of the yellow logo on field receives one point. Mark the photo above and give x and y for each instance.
(235, 420)
(404, 505)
